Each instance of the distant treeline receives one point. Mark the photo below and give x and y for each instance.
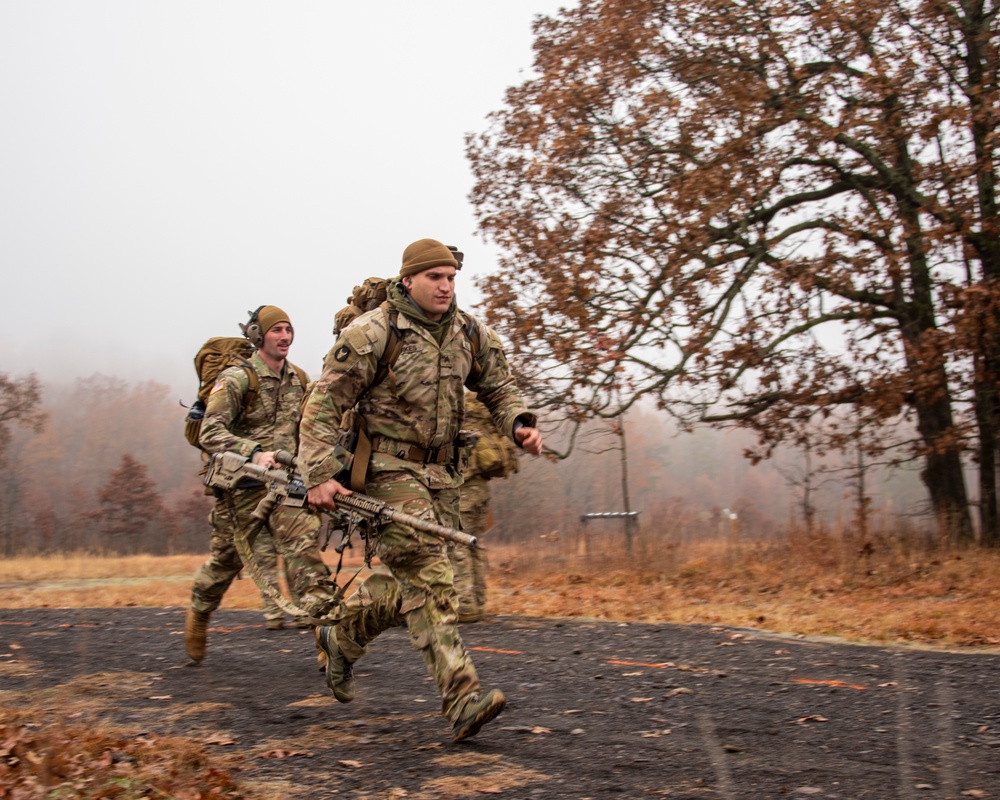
(111, 472)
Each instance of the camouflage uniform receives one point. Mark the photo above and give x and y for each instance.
(470, 564)
(413, 418)
(271, 424)
(266, 554)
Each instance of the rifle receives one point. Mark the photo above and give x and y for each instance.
(283, 485)
(225, 470)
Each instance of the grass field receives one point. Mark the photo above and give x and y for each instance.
(929, 597)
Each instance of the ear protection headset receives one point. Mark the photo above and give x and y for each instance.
(252, 329)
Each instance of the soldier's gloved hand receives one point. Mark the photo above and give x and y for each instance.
(324, 495)
(264, 458)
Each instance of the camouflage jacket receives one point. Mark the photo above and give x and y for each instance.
(421, 402)
(271, 424)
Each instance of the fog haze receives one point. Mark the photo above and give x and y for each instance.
(165, 167)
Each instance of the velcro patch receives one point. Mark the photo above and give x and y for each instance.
(217, 387)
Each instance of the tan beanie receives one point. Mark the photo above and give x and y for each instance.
(424, 254)
(269, 316)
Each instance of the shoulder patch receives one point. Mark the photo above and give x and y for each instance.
(341, 353)
(217, 387)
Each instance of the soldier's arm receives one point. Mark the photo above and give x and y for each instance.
(348, 369)
(499, 392)
(224, 406)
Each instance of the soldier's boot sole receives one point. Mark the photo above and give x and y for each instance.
(195, 633)
(477, 712)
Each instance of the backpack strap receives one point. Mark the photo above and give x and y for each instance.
(253, 386)
(474, 334)
(393, 347)
(303, 378)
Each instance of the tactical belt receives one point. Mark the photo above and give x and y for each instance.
(445, 454)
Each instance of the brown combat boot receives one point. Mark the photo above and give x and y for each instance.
(339, 671)
(195, 631)
(480, 709)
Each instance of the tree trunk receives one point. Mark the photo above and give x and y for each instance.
(942, 474)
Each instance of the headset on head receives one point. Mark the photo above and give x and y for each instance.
(252, 329)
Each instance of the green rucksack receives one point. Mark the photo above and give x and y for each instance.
(217, 354)
(493, 456)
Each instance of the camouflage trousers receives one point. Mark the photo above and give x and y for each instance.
(266, 553)
(416, 590)
(295, 534)
(469, 563)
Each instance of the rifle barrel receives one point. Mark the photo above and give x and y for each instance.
(369, 505)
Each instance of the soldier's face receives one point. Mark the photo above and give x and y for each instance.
(277, 341)
(432, 290)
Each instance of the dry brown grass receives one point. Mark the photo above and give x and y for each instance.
(826, 587)
(823, 587)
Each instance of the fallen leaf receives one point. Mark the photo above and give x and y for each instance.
(352, 764)
(811, 718)
(815, 682)
(540, 729)
(162, 697)
(640, 699)
(283, 754)
(222, 740)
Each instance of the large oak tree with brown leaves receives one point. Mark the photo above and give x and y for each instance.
(764, 213)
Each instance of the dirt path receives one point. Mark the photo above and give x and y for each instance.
(596, 709)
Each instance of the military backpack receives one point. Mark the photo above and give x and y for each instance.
(218, 354)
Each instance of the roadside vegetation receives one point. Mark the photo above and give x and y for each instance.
(823, 586)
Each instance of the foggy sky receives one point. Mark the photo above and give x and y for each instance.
(166, 167)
